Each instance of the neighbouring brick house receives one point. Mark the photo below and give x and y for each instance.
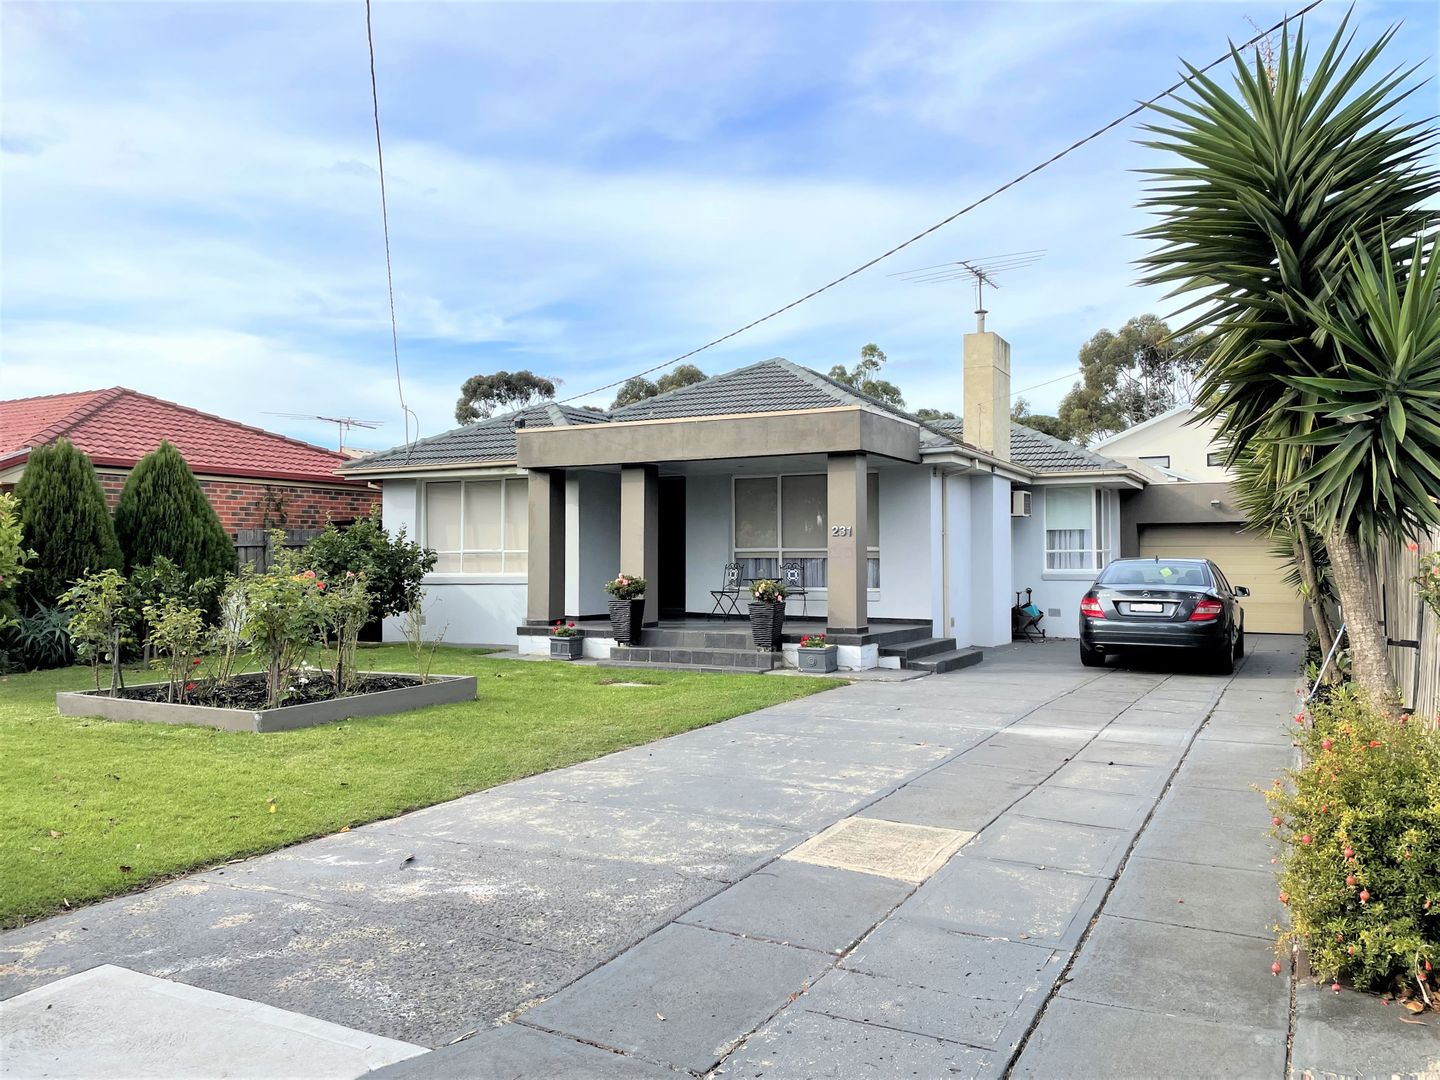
(254, 478)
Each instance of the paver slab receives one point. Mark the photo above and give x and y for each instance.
(874, 999)
(796, 903)
(113, 1022)
(1178, 971)
(888, 848)
(1216, 806)
(1081, 1039)
(682, 997)
(1178, 839)
(1207, 897)
(1146, 780)
(802, 1045)
(940, 958)
(1009, 900)
(517, 1052)
(955, 796)
(1355, 1035)
(1237, 766)
(1111, 809)
(1081, 849)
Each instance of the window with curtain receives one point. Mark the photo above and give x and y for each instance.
(478, 526)
(1070, 528)
(779, 519)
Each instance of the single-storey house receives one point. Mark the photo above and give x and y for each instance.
(254, 478)
(913, 537)
(1187, 508)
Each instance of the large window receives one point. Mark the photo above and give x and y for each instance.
(478, 526)
(1079, 522)
(783, 518)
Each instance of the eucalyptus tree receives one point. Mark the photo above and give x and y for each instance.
(1293, 224)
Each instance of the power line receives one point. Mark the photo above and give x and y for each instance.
(953, 217)
(405, 412)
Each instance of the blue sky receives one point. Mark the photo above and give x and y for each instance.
(190, 203)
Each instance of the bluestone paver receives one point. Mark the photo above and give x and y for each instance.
(1356, 1035)
(1169, 836)
(937, 957)
(1145, 780)
(884, 1002)
(1110, 809)
(797, 903)
(1188, 894)
(517, 1052)
(1058, 845)
(684, 996)
(957, 796)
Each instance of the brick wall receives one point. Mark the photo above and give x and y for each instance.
(252, 504)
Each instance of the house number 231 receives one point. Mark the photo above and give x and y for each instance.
(842, 530)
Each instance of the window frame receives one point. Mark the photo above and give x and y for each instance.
(1104, 513)
(782, 554)
(1211, 461)
(1156, 461)
(519, 556)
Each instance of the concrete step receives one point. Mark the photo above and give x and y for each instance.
(953, 660)
(736, 637)
(914, 650)
(707, 669)
(885, 638)
(751, 659)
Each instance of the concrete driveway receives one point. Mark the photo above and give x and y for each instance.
(1027, 867)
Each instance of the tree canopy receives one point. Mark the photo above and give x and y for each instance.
(1129, 376)
(639, 388)
(865, 376)
(1051, 425)
(481, 395)
(164, 512)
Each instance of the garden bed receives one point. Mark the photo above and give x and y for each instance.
(239, 704)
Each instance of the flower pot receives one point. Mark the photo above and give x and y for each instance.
(626, 617)
(826, 658)
(767, 621)
(567, 648)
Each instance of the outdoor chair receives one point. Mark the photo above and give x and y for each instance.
(792, 576)
(1025, 619)
(727, 597)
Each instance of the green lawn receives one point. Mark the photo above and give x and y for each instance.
(91, 808)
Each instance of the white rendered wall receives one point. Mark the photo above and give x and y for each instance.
(962, 562)
(991, 561)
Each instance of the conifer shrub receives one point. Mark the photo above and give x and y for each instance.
(1361, 844)
(163, 513)
(64, 522)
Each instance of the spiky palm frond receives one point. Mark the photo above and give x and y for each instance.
(1279, 519)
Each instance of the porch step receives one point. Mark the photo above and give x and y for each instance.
(941, 662)
(719, 638)
(904, 634)
(748, 659)
(703, 669)
(908, 651)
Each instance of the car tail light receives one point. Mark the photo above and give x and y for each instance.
(1206, 610)
(1090, 607)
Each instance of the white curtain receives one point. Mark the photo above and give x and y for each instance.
(1069, 528)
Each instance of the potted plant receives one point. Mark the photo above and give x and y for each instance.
(627, 610)
(566, 641)
(817, 654)
(767, 613)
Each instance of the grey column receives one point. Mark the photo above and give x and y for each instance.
(545, 591)
(640, 531)
(846, 515)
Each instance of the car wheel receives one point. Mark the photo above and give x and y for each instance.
(1240, 643)
(1091, 657)
(1225, 661)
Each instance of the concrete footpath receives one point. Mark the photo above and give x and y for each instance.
(1025, 868)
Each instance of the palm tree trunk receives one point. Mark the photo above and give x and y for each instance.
(1369, 655)
(1304, 559)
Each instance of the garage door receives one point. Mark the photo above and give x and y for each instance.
(1272, 607)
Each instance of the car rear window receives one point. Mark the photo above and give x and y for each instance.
(1157, 572)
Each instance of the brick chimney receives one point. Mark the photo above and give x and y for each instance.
(987, 392)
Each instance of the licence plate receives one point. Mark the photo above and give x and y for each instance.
(1147, 609)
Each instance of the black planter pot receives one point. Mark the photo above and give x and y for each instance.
(767, 623)
(626, 617)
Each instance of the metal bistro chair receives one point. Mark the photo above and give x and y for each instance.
(727, 597)
(792, 576)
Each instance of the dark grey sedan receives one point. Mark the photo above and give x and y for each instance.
(1184, 604)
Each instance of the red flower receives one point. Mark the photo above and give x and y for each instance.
(1325, 744)
(571, 625)
(195, 662)
(1374, 743)
(320, 585)
(1412, 546)
(308, 573)
(189, 686)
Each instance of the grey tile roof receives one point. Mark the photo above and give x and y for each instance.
(1043, 453)
(492, 439)
(769, 386)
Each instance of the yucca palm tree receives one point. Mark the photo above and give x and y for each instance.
(1280, 226)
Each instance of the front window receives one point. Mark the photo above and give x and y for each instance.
(478, 526)
(1079, 523)
(780, 519)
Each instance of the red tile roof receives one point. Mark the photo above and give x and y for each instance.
(119, 426)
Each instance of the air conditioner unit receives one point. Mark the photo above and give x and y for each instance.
(1020, 504)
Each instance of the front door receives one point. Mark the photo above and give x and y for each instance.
(671, 562)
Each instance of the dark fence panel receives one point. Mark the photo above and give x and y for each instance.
(253, 545)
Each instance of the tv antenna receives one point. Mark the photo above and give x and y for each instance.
(980, 272)
(344, 423)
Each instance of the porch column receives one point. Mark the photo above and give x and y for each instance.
(545, 590)
(846, 607)
(640, 531)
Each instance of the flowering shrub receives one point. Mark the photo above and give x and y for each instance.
(766, 591)
(814, 641)
(13, 557)
(564, 629)
(626, 587)
(176, 631)
(284, 615)
(1361, 835)
(98, 618)
(1428, 580)
(344, 610)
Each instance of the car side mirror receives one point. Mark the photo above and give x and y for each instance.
(1241, 591)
